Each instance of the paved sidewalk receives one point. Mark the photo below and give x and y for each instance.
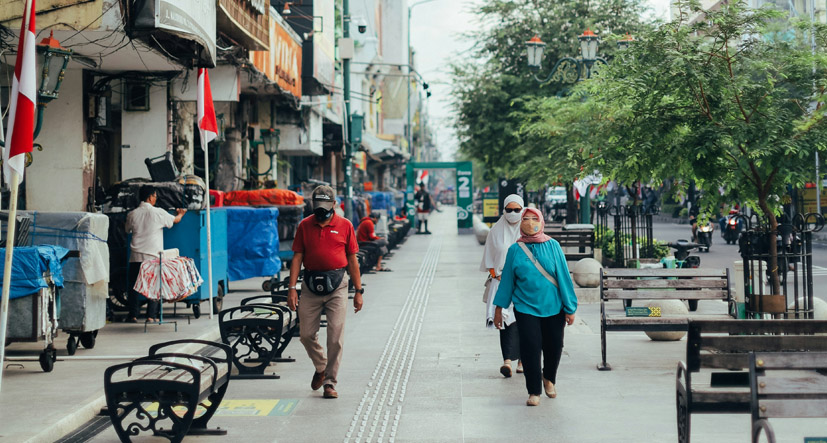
(418, 366)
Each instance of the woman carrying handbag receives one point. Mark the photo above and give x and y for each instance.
(536, 280)
(501, 236)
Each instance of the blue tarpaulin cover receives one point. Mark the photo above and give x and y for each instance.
(29, 265)
(252, 242)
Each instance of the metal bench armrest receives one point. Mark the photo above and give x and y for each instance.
(228, 352)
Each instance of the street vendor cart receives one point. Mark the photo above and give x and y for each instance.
(190, 238)
(34, 306)
(253, 243)
(85, 291)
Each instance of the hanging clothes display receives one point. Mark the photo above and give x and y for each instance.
(179, 279)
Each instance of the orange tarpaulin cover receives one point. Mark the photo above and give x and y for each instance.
(263, 197)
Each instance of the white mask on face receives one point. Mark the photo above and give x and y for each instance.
(512, 217)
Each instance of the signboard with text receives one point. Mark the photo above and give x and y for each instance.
(490, 207)
(189, 19)
(282, 63)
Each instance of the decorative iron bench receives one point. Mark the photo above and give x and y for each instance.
(170, 381)
(711, 346)
(658, 284)
(796, 389)
(258, 332)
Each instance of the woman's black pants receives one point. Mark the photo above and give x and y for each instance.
(510, 342)
(540, 335)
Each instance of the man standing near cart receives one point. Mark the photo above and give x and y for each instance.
(325, 243)
(146, 223)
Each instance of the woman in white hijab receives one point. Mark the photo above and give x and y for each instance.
(502, 235)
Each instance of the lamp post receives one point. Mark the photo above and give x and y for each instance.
(410, 66)
(569, 70)
(270, 138)
(52, 59)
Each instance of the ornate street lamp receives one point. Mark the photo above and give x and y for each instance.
(52, 59)
(588, 46)
(625, 42)
(567, 69)
(271, 138)
(535, 48)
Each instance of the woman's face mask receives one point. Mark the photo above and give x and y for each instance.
(530, 224)
(512, 215)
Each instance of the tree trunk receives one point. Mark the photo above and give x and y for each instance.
(773, 246)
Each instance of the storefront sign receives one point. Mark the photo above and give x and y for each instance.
(282, 63)
(809, 199)
(360, 161)
(490, 207)
(188, 19)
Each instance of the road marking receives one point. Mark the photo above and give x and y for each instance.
(379, 410)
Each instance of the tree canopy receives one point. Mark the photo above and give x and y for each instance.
(491, 91)
(728, 98)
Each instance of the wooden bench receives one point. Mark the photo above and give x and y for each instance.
(711, 345)
(258, 331)
(582, 239)
(170, 382)
(658, 284)
(797, 388)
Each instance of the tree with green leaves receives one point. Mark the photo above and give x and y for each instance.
(491, 91)
(727, 97)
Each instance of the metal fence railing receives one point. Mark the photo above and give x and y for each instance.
(794, 244)
(625, 233)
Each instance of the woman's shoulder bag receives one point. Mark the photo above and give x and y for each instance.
(538, 265)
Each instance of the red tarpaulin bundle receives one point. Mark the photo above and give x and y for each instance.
(263, 197)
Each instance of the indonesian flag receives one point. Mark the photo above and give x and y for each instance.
(23, 98)
(423, 177)
(206, 110)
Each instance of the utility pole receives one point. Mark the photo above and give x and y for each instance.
(408, 79)
(348, 132)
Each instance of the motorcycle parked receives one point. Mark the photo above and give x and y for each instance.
(684, 260)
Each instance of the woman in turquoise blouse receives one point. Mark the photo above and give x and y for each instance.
(543, 304)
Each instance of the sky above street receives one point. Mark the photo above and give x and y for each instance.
(436, 36)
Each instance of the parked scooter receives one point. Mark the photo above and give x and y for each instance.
(682, 248)
(684, 260)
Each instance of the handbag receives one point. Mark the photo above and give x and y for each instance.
(323, 282)
(485, 294)
(538, 265)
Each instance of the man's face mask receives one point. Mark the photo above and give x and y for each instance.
(322, 214)
(530, 226)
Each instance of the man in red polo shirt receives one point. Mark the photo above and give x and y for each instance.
(368, 240)
(325, 244)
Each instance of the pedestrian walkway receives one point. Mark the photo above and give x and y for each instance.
(418, 366)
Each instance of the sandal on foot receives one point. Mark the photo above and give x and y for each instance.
(505, 370)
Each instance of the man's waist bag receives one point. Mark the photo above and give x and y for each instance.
(323, 282)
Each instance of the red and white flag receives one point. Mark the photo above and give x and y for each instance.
(23, 100)
(206, 110)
